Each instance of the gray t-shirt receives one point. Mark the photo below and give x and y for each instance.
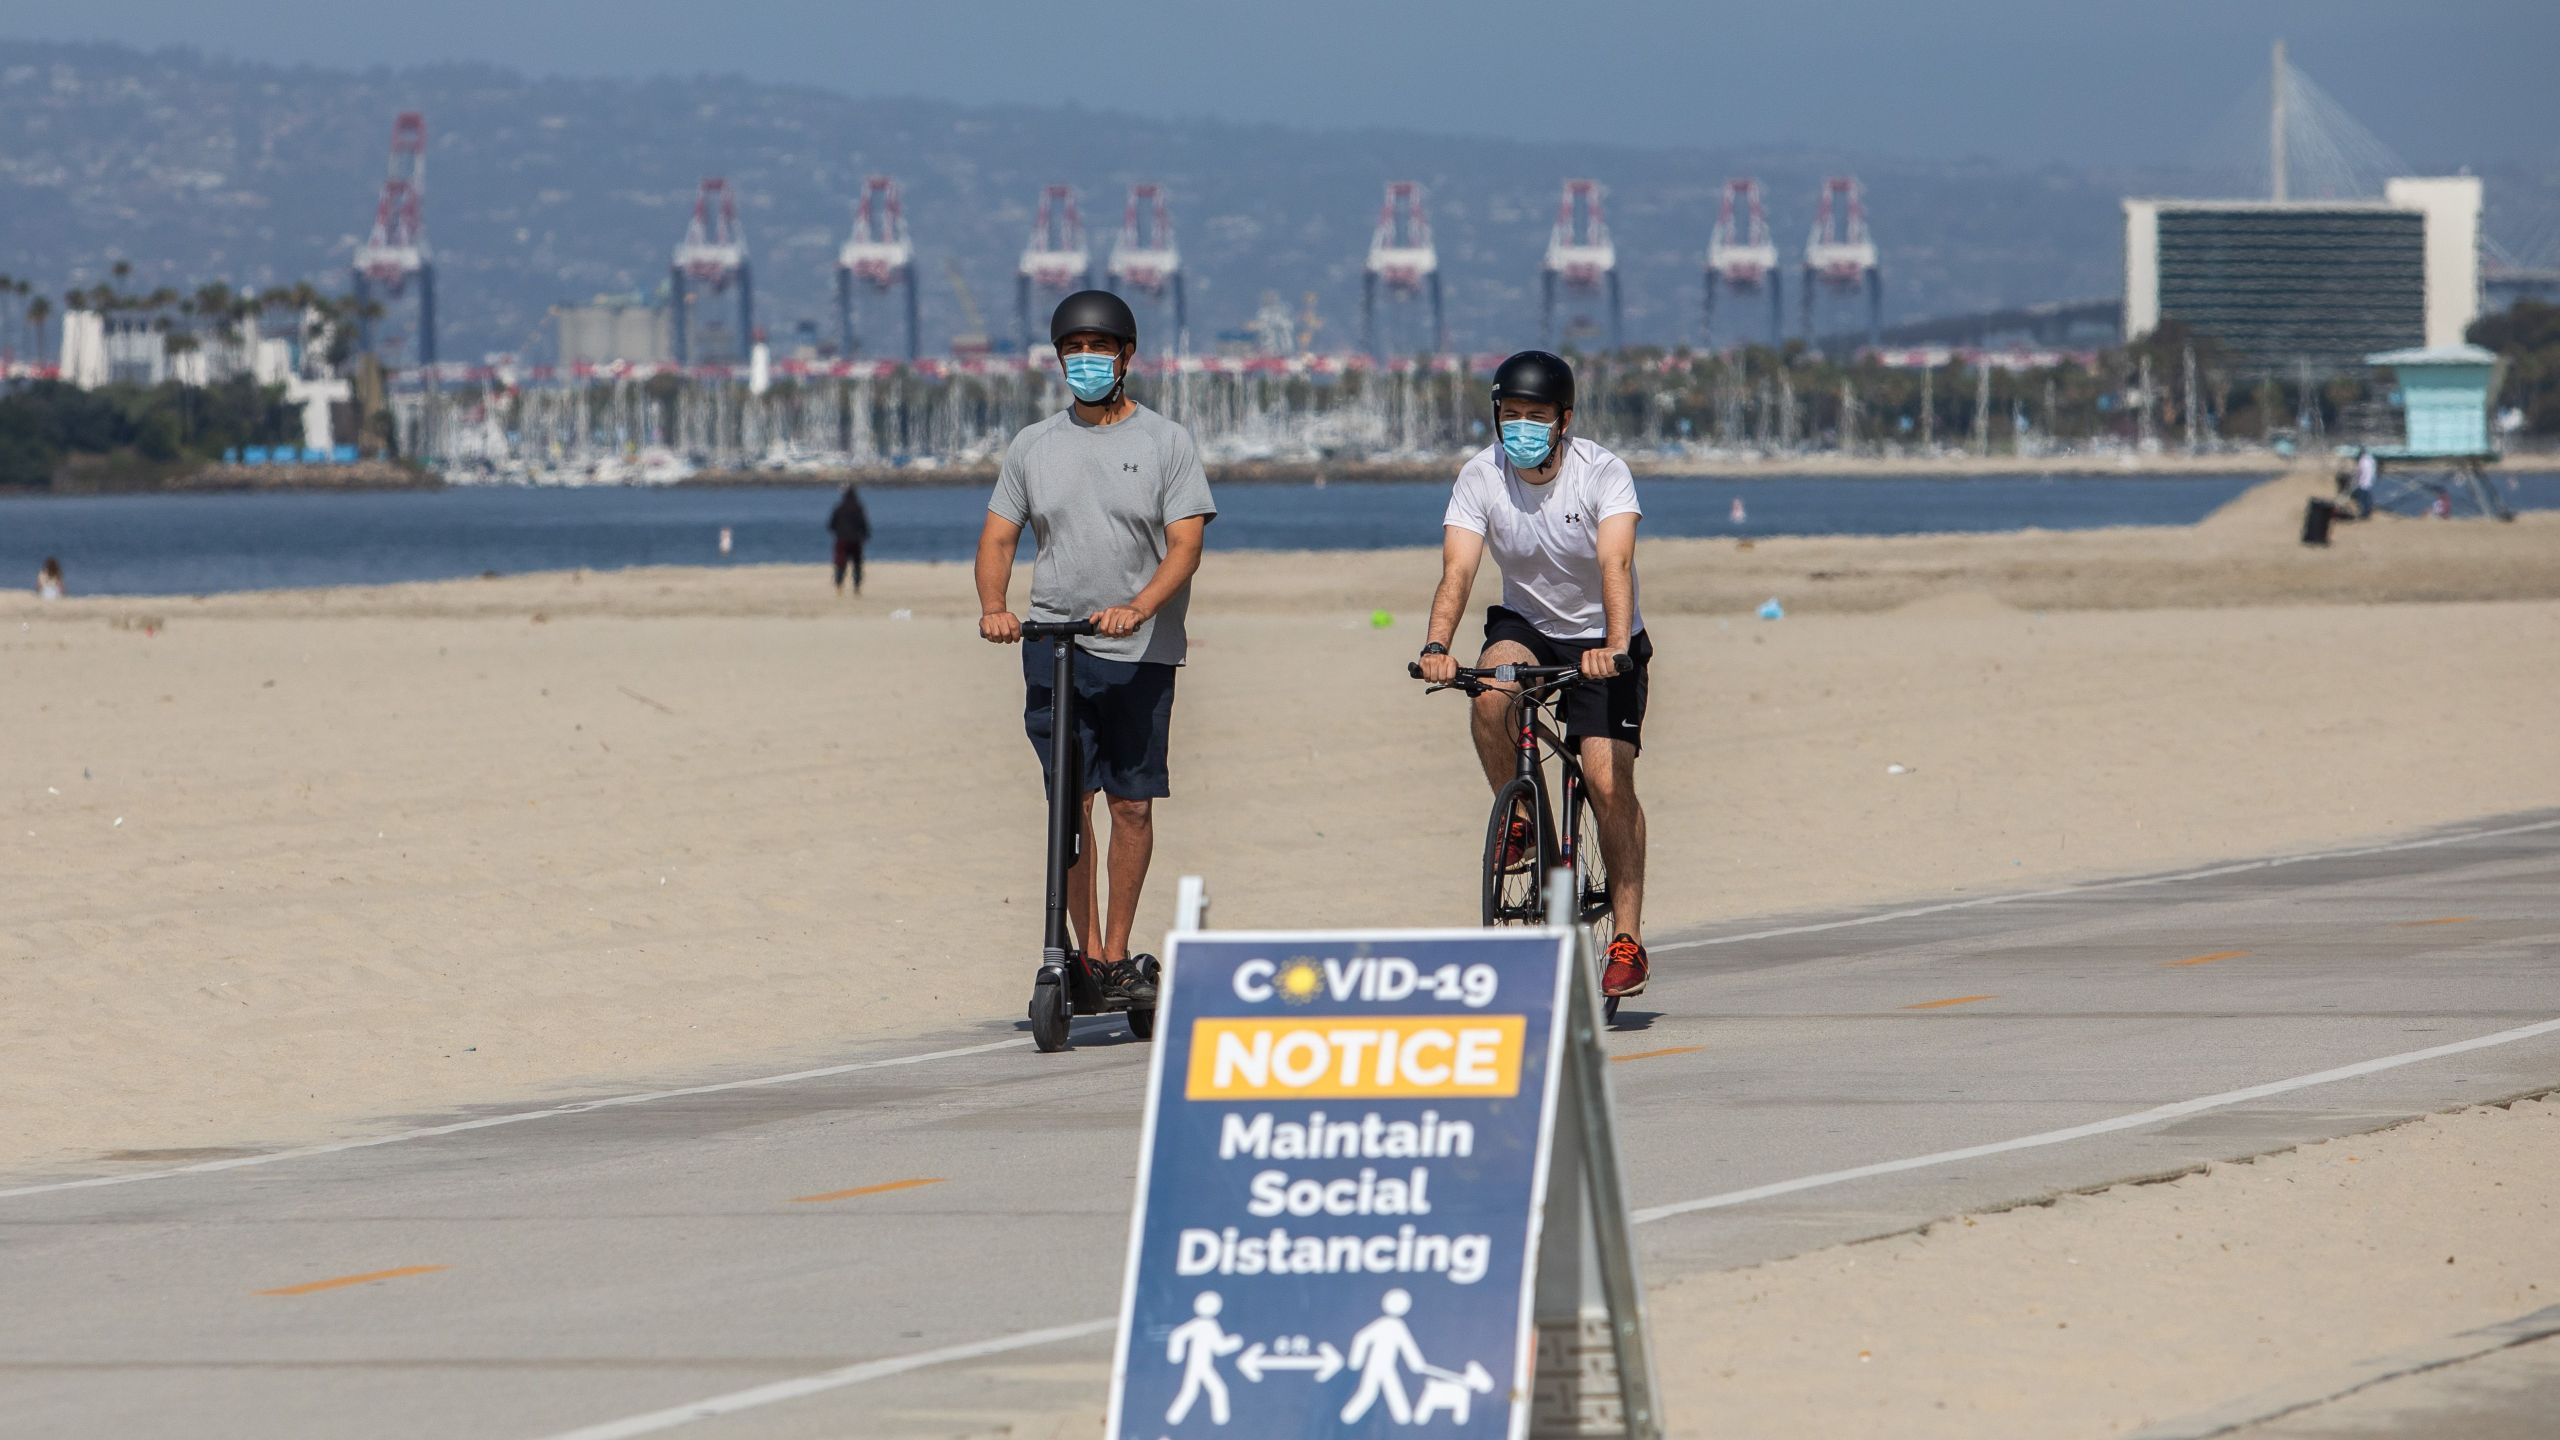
(1098, 499)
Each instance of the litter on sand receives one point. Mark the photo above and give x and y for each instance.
(1770, 609)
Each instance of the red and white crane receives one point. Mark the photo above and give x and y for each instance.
(1743, 256)
(1055, 261)
(1145, 258)
(1404, 261)
(879, 255)
(713, 256)
(396, 249)
(1840, 256)
(1580, 257)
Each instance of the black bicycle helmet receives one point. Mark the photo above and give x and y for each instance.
(1535, 375)
(1097, 310)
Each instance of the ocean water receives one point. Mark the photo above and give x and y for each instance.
(202, 544)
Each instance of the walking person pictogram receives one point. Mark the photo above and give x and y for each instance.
(1195, 1345)
(1383, 1351)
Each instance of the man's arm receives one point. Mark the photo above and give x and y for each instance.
(1617, 547)
(1461, 555)
(996, 542)
(1182, 541)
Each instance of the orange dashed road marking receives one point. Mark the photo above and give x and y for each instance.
(864, 1190)
(2208, 959)
(1656, 1054)
(340, 1282)
(2447, 920)
(1943, 1004)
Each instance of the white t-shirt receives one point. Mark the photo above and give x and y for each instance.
(1546, 537)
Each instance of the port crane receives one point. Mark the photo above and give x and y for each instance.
(713, 254)
(1840, 256)
(878, 255)
(1404, 262)
(1742, 257)
(1056, 260)
(395, 252)
(1145, 259)
(1580, 258)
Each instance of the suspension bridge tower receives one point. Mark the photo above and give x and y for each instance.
(1581, 258)
(1404, 262)
(878, 255)
(1055, 261)
(1840, 256)
(1145, 259)
(396, 250)
(713, 256)
(1742, 257)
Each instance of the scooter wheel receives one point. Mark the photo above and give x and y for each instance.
(1049, 1017)
(1142, 1024)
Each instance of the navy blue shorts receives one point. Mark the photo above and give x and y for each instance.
(1124, 719)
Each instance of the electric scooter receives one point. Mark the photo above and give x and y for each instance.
(1064, 987)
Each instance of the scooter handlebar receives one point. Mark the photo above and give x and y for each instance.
(1057, 629)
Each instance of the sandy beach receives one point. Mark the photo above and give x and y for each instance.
(294, 866)
(286, 864)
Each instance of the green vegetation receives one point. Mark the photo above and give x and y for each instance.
(134, 430)
(2527, 337)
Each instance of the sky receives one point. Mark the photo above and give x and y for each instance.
(2443, 82)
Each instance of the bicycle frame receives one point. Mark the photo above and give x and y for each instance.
(1528, 706)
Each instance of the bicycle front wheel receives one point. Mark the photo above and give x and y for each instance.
(1591, 866)
(1519, 848)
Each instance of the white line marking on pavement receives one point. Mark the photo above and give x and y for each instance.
(780, 1390)
(2134, 1121)
(517, 1117)
(2235, 868)
(731, 1403)
(431, 1131)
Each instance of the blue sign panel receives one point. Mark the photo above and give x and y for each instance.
(1341, 1187)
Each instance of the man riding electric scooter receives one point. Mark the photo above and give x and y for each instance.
(1118, 503)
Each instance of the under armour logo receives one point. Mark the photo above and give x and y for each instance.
(1573, 517)
(1131, 468)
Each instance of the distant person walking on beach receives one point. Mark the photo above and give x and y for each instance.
(1116, 497)
(2368, 470)
(851, 526)
(49, 580)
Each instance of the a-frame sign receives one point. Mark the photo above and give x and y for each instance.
(1379, 1194)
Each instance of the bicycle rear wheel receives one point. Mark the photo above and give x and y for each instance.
(1512, 892)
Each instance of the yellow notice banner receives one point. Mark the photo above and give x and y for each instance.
(1356, 1057)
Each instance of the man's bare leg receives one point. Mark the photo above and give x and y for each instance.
(1133, 844)
(1609, 776)
(1080, 885)
(1497, 744)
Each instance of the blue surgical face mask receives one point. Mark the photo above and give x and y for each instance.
(1092, 376)
(1528, 442)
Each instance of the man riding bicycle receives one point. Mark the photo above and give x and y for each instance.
(1117, 499)
(1559, 514)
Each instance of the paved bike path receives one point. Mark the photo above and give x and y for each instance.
(760, 1242)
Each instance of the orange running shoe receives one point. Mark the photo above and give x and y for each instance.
(1628, 968)
(1519, 846)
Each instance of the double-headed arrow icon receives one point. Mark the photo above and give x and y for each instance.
(1326, 1362)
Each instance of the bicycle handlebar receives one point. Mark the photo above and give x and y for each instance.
(1057, 629)
(1518, 674)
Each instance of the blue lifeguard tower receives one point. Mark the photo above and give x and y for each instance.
(2445, 440)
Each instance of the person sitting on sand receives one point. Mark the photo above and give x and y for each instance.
(49, 580)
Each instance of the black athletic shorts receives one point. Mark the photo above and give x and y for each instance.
(1124, 719)
(1613, 710)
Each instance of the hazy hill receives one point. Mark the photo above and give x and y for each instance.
(544, 190)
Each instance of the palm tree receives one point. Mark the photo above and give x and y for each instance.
(39, 310)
